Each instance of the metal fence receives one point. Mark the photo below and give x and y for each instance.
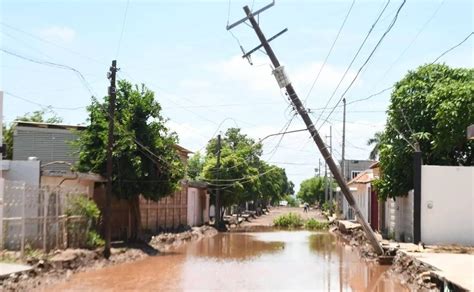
(35, 217)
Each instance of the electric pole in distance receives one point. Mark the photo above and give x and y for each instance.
(110, 144)
(218, 191)
(284, 82)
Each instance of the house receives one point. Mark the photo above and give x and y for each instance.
(352, 168)
(51, 145)
(365, 198)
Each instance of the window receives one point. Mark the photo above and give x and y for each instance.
(355, 173)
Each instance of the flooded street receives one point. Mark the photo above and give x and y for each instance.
(246, 261)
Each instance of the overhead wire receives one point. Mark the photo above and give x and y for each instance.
(389, 28)
(354, 58)
(123, 29)
(329, 52)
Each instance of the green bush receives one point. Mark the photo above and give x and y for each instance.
(290, 220)
(94, 239)
(83, 206)
(313, 224)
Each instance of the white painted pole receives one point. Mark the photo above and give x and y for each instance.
(2, 183)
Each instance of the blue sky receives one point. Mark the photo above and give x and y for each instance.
(182, 51)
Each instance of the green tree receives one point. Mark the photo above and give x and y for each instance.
(152, 170)
(311, 190)
(374, 153)
(40, 116)
(243, 176)
(195, 166)
(431, 106)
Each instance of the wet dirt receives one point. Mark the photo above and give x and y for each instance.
(280, 260)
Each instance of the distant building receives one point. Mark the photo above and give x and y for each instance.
(355, 167)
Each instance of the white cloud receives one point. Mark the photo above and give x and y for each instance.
(257, 77)
(304, 76)
(58, 33)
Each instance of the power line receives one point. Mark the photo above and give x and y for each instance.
(452, 48)
(43, 105)
(52, 64)
(330, 51)
(389, 28)
(354, 58)
(50, 42)
(422, 28)
(123, 28)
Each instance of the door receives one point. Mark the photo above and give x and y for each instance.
(374, 210)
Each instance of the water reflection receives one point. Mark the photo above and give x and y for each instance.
(247, 261)
(235, 246)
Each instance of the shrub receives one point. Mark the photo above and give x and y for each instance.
(290, 220)
(313, 224)
(83, 206)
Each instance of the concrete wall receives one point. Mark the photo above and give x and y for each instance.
(447, 205)
(21, 171)
(399, 218)
(198, 206)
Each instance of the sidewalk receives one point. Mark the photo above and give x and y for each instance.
(6, 269)
(451, 267)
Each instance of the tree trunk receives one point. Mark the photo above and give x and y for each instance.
(135, 218)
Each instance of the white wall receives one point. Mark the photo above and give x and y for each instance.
(399, 218)
(21, 171)
(447, 205)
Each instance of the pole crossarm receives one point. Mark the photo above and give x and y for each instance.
(229, 27)
(246, 55)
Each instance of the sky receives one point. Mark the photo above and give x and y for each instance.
(182, 51)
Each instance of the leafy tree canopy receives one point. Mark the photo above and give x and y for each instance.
(145, 161)
(311, 190)
(242, 175)
(431, 106)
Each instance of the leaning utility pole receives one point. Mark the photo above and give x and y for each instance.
(283, 82)
(110, 144)
(218, 191)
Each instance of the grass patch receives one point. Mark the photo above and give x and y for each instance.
(290, 220)
(313, 224)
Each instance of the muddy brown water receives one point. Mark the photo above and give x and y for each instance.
(281, 260)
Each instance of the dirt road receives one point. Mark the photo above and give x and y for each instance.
(266, 221)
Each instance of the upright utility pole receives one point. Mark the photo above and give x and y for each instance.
(319, 168)
(3, 152)
(218, 191)
(343, 150)
(330, 176)
(326, 195)
(417, 162)
(283, 82)
(110, 144)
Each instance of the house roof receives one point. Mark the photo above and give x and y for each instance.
(49, 125)
(374, 165)
(74, 127)
(362, 178)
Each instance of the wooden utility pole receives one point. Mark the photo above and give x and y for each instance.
(218, 190)
(330, 176)
(110, 144)
(283, 82)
